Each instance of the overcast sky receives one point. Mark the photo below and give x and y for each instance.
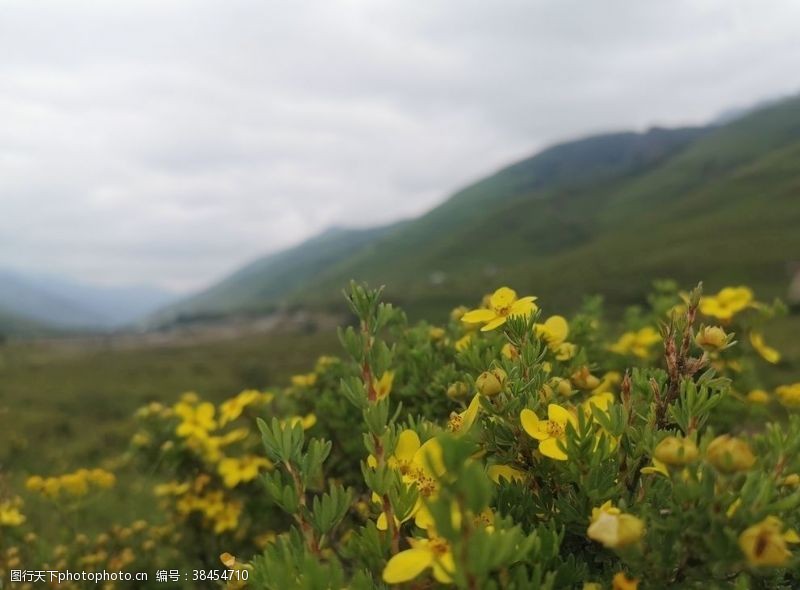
(167, 142)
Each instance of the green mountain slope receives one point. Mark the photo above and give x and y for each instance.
(606, 214)
(262, 284)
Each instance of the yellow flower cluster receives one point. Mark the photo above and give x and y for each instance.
(637, 343)
(231, 409)
(77, 483)
(10, 512)
(727, 303)
(789, 395)
(219, 512)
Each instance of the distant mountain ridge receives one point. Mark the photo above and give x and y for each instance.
(605, 214)
(45, 302)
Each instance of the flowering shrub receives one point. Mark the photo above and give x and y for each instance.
(507, 449)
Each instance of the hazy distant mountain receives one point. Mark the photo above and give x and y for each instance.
(62, 303)
(605, 214)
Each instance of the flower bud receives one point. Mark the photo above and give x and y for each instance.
(458, 312)
(509, 351)
(676, 451)
(457, 390)
(562, 386)
(758, 396)
(711, 338)
(730, 454)
(765, 543)
(436, 333)
(613, 528)
(490, 383)
(583, 379)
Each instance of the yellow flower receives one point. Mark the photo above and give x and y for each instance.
(463, 343)
(231, 409)
(141, 439)
(306, 421)
(764, 543)
(420, 465)
(227, 517)
(172, 488)
(238, 470)
(768, 353)
(307, 380)
(791, 480)
(711, 338)
(324, 362)
(491, 382)
(636, 343)
(758, 396)
(503, 304)
(499, 472)
(789, 395)
(432, 553)
(76, 483)
(35, 483)
(383, 386)
(102, 478)
(614, 528)
(10, 514)
(196, 421)
(623, 582)
(550, 433)
(727, 303)
(553, 331)
(676, 451)
(730, 454)
(460, 423)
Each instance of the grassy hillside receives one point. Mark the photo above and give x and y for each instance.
(606, 214)
(68, 401)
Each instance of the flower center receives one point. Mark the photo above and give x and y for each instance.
(438, 546)
(554, 429)
(455, 423)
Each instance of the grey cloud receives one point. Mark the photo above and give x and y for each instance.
(169, 141)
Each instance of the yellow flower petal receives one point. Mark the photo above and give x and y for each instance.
(478, 316)
(503, 298)
(407, 444)
(443, 567)
(524, 306)
(530, 424)
(407, 565)
(551, 448)
(560, 415)
(495, 323)
(766, 352)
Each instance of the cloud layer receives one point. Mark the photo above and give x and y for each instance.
(167, 141)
